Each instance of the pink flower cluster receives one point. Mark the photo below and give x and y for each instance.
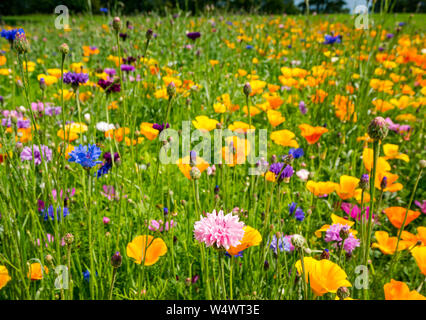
(218, 229)
(159, 225)
(333, 234)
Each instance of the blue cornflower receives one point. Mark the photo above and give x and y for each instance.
(86, 275)
(249, 46)
(11, 34)
(332, 39)
(296, 153)
(283, 243)
(86, 156)
(239, 255)
(51, 213)
(107, 164)
(105, 10)
(298, 212)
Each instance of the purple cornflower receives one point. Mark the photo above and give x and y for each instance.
(86, 156)
(193, 35)
(302, 107)
(109, 71)
(27, 154)
(160, 127)
(108, 163)
(109, 85)
(281, 172)
(75, 79)
(127, 67)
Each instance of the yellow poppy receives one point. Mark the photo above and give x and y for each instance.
(147, 249)
(323, 275)
(251, 238)
(4, 276)
(284, 138)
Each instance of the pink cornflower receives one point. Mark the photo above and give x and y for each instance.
(218, 229)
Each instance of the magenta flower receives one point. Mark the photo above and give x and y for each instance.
(421, 205)
(354, 211)
(220, 230)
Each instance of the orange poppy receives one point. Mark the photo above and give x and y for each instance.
(421, 236)
(148, 131)
(391, 186)
(321, 188)
(367, 158)
(419, 254)
(387, 245)
(396, 216)
(4, 276)
(146, 248)
(67, 135)
(346, 189)
(117, 134)
(185, 167)
(36, 272)
(323, 275)
(251, 238)
(312, 134)
(284, 138)
(397, 290)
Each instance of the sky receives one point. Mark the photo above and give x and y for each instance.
(351, 4)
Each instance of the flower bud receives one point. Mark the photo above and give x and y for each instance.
(64, 49)
(364, 182)
(247, 89)
(148, 34)
(42, 84)
(343, 293)
(422, 164)
(384, 183)
(21, 43)
(49, 258)
(378, 129)
(266, 265)
(325, 255)
(195, 173)
(298, 241)
(344, 233)
(116, 24)
(171, 90)
(69, 238)
(116, 260)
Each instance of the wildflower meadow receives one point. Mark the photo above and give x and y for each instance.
(214, 156)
